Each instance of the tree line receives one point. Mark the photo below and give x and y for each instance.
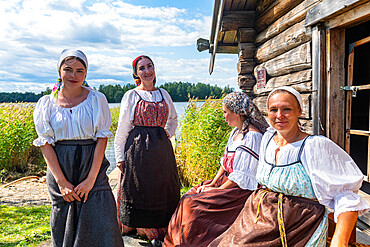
(179, 91)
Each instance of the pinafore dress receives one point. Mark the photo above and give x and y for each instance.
(283, 213)
(149, 186)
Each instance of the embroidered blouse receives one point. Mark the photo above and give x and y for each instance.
(90, 119)
(244, 165)
(127, 111)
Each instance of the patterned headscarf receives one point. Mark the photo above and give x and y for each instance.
(65, 54)
(241, 104)
(134, 73)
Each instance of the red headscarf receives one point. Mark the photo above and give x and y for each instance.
(134, 74)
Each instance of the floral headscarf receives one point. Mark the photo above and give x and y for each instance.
(134, 73)
(69, 53)
(241, 104)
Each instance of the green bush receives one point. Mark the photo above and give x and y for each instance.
(17, 154)
(201, 143)
(115, 116)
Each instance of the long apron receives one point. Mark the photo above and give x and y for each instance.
(149, 184)
(201, 217)
(90, 223)
(286, 213)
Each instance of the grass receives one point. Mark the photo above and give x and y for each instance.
(201, 143)
(24, 226)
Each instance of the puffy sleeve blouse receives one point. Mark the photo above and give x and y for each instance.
(127, 114)
(245, 164)
(90, 119)
(335, 177)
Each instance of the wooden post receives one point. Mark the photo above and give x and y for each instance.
(318, 80)
(335, 74)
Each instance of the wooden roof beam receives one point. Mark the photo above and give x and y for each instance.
(233, 20)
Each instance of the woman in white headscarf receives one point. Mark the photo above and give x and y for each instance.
(300, 175)
(72, 124)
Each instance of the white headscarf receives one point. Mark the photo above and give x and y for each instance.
(291, 90)
(72, 53)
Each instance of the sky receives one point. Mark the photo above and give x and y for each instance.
(112, 34)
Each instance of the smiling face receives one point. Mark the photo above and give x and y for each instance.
(145, 70)
(283, 112)
(72, 72)
(232, 119)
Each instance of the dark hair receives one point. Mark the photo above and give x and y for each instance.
(138, 59)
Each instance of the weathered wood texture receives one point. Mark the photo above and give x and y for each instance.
(263, 5)
(237, 19)
(330, 8)
(285, 41)
(230, 49)
(261, 103)
(246, 50)
(335, 78)
(230, 37)
(299, 80)
(275, 12)
(246, 66)
(246, 82)
(294, 60)
(292, 17)
(356, 15)
(246, 35)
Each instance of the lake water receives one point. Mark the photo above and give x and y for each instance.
(109, 152)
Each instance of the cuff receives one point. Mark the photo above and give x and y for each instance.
(244, 181)
(103, 134)
(42, 140)
(348, 201)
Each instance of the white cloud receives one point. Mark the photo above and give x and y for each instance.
(112, 33)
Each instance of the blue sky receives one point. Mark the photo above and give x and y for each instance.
(112, 34)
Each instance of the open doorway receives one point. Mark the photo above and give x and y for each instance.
(358, 98)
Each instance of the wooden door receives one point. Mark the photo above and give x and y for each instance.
(358, 105)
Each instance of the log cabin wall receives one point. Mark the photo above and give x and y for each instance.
(283, 47)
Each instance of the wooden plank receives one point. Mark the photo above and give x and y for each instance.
(335, 74)
(250, 5)
(294, 60)
(246, 35)
(362, 41)
(359, 132)
(329, 8)
(285, 41)
(246, 50)
(261, 103)
(230, 37)
(318, 80)
(351, 59)
(238, 5)
(263, 5)
(228, 4)
(301, 81)
(233, 20)
(275, 12)
(221, 36)
(246, 66)
(292, 17)
(228, 49)
(356, 16)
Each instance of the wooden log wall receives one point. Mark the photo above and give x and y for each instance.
(283, 48)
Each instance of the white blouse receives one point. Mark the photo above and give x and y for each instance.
(90, 119)
(335, 177)
(127, 112)
(244, 165)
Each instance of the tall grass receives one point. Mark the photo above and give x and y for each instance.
(202, 140)
(17, 133)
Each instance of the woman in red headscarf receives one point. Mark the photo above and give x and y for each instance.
(149, 188)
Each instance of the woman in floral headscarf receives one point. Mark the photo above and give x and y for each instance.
(208, 209)
(149, 188)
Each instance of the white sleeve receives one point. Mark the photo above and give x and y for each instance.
(245, 164)
(41, 118)
(335, 177)
(124, 125)
(171, 124)
(101, 116)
